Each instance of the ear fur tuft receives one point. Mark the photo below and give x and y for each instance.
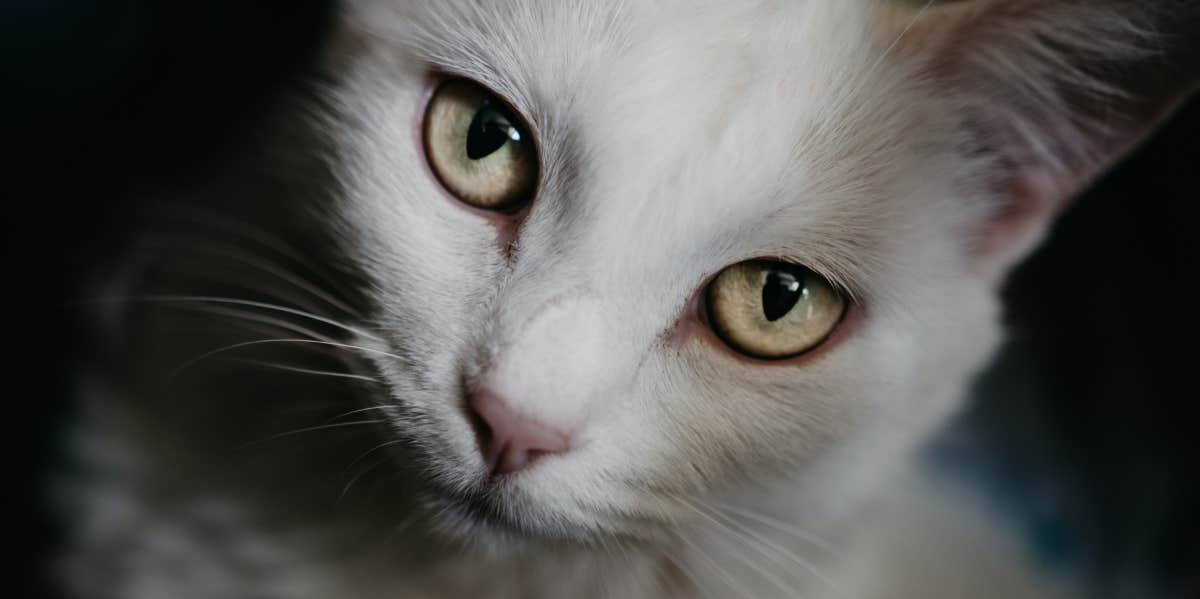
(1050, 93)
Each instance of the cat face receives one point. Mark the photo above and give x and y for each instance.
(628, 260)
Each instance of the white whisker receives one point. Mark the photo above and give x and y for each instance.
(277, 323)
(371, 451)
(243, 230)
(256, 342)
(724, 575)
(781, 526)
(312, 371)
(767, 574)
(262, 264)
(869, 77)
(321, 427)
(241, 302)
(896, 42)
(762, 545)
(357, 477)
(367, 409)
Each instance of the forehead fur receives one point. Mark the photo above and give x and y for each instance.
(644, 114)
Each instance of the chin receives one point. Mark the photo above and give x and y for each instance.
(534, 509)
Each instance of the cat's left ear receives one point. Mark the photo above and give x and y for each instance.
(1050, 93)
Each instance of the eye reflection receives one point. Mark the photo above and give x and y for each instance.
(490, 130)
(780, 292)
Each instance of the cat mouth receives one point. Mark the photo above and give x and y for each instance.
(503, 514)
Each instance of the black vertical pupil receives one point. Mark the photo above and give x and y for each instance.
(782, 289)
(490, 130)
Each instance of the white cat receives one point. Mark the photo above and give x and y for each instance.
(601, 299)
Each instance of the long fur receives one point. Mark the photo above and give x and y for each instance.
(282, 413)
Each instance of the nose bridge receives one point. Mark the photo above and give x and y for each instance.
(557, 362)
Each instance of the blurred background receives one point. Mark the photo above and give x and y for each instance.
(1081, 434)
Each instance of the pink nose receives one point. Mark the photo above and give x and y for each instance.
(511, 440)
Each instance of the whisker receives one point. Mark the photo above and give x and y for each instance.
(321, 427)
(231, 276)
(243, 230)
(312, 371)
(781, 526)
(243, 344)
(262, 264)
(899, 38)
(357, 477)
(167, 299)
(361, 410)
(277, 323)
(853, 92)
(726, 578)
(371, 451)
(767, 574)
(783, 552)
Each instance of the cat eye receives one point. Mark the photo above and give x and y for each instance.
(772, 310)
(478, 148)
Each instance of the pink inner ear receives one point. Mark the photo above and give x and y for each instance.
(1056, 92)
(1026, 205)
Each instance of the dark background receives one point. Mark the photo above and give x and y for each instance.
(1082, 432)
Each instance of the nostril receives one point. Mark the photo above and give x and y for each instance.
(509, 439)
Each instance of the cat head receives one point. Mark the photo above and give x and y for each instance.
(626, 261)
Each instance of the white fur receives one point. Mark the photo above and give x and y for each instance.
(677, 138)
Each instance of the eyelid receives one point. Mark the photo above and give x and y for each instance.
(439, 75)
(840, 283)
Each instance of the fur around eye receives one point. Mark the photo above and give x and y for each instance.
(478, 148)
(772, 310)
